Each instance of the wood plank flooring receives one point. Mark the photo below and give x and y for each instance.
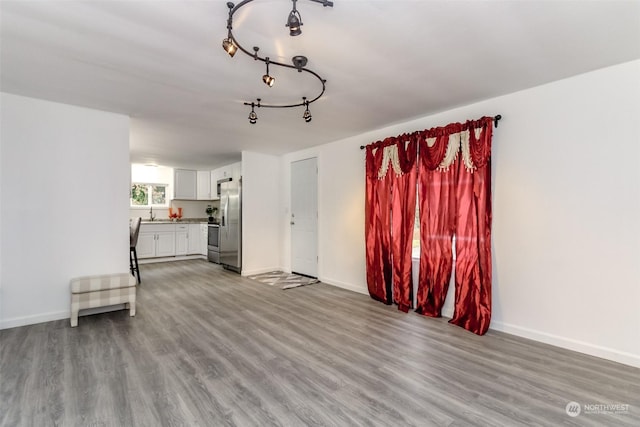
(210, 348)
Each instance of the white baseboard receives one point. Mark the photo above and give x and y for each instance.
(33, 319)
(568, 343)
(343, 285)
(59, 315)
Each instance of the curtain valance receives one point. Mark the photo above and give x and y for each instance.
(399, 152)
(438, 148)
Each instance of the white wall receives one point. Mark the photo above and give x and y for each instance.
(566, 210)
(261, 230)
(64, 199)
(340, 213)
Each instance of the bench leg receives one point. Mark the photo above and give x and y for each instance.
(74, 319)
(75, 308)
(132, 301)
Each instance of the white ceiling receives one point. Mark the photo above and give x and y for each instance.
(161, 62)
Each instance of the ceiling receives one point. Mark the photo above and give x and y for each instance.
(385, 62)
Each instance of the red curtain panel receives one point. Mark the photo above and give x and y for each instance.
(437, 222)
(403, 209)
(377, 220)
(472, 309)
(390, 213)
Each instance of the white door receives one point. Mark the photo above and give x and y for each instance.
(304, 217)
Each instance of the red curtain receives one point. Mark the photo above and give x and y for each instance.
(377, 220)
(455, 199)
(390, 215)
(437, 197)
(454, 190)
(472, 308)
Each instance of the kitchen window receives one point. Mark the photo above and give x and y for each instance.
(149, 195)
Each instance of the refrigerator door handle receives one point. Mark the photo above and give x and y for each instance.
(226, 211)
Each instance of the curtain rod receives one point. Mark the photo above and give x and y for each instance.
(496, 119)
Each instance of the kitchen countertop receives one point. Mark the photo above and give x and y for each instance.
(180, 221)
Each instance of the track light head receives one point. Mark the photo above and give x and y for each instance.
(253, 117)
(294, 21)
(267, 79)
(307, 114)
(229, 46)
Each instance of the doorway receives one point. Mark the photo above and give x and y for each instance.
(304, 217)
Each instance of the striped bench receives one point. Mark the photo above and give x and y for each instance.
(101, 291)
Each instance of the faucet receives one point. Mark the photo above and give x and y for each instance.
(151, 215)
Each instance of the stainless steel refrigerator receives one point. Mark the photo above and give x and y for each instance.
(231, 224)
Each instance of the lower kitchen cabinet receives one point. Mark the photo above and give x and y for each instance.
(146, 247)
(167, 240)
(166, 244)
(193, 244)
(204, 237)
(156, 240)
(182, 239)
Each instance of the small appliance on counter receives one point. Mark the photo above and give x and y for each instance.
(211, 212)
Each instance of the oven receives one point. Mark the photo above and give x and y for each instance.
(213, 243)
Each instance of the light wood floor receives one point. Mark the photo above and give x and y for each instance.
(209, 348)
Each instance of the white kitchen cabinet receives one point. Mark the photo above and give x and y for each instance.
(236, 170)
(204, 237)
(166, 244)
(203, 185)
(232, 171)
(146, 247)
(156, 240)
(182, 239)
(184, 184)
(215, 176)
(193, 237)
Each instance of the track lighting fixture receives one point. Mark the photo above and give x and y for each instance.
(294, 21)
(267, 79)
(307, 114)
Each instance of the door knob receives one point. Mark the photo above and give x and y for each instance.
(292, 223)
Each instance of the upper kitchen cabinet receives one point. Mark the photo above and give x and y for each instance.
(203, 185)
(232, 171)
(215, 176)
(184, 184)
(236, 170)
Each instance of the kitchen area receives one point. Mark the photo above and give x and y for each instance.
(188, 214)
